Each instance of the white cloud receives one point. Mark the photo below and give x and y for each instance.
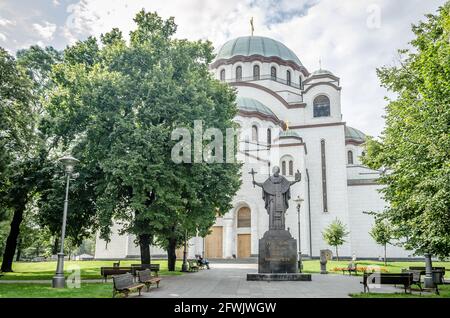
(343, 33)
(45, 30)
(5, 22)
(2, 37)
(56, 3)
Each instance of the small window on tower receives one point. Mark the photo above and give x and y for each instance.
(273, 73)
(321, 106)
(288, 78)
(350, 157)
(238, 73)
(291, 168)
(269, 137)
(254, 133)
(283, 168)
(256, 72)
(222, 75)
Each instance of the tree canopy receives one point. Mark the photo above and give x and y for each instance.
(414, 146)
(115, 106)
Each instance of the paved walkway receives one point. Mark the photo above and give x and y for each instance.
(229, 280)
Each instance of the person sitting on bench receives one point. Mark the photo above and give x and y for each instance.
(202, 262)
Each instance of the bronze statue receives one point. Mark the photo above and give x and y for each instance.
(276, 195)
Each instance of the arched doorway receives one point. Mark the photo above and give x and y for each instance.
(244, 222)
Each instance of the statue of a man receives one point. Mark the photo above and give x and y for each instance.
(276, 194)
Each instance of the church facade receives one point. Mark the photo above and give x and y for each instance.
(290, 118)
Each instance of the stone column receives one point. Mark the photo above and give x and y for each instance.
(228, 235)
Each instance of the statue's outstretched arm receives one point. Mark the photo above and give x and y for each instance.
(257, 184)
(298, 177)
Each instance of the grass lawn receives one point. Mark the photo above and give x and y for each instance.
(87, 290)
(313, 266)
(88, 269)
(444, 292)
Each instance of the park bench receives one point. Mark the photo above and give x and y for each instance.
(404, 279)
(351, 268)
(145, 277)
(416, 277)
(440, 271)
(111, 271)
(140, 267)
(193, 265)
(124, 283)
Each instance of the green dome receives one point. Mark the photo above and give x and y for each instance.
(354, 134)
(256, 45)
(321, 72)
(252, 105)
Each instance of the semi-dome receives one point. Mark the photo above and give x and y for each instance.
(353, 134)
(257, 45)
(289, 133)
(248, 104)
(321, 72)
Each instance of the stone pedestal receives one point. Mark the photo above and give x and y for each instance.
(277, 252)
(277, 259)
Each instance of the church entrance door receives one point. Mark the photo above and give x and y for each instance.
(213, 243)
(244, 245)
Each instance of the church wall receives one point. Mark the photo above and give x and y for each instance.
(366, 198)
(336, 178)
(116, 248)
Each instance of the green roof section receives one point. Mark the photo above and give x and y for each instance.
(289, 133)
(321, 72)
(257, 45)
(354, 134)
(252, 105)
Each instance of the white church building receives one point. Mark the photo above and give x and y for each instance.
(290, 118)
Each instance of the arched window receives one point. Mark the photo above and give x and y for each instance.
(244, 217)
(350, 157)
(222, 75)
(321, 106)
(238, 73)
(254, 133)
(273, 73)
(288, 78)
(256, 72)
(291, 168)
(269, 137)
(283, 167)
(300, 82)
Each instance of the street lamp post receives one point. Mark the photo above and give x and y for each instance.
(300, 264)
(58, 280)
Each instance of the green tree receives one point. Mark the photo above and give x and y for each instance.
(382, 233)
(118, 111)
(334, 235)
(414, 146)
(33, 172)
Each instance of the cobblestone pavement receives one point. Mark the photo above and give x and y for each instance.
(229, 280)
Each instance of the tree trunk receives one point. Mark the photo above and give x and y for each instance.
(171, 254)
(19, 250)
(11, 241)
(385, 260)
(144, 245)
(337, 254)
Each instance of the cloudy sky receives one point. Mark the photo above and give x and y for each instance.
(351, 37)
